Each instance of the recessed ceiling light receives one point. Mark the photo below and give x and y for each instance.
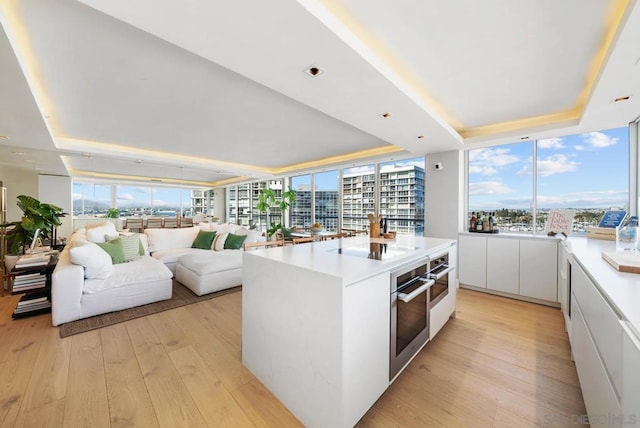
(617, 100)
(386, 115)
(38, 168)
(314, 71)
(139, 160)
(86, 154)
(29, 160)
(420, 137)
(156, 180)
(524, 138)
(18, 153)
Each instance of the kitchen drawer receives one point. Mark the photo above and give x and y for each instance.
(602, 322)
(631, 376)
(603, 405)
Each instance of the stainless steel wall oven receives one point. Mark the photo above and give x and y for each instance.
(415, 289)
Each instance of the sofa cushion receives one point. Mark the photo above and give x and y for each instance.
(204, 239)
(204, 263)
(96, 262)
(233, 241)
(167, 239)
(173, 255)
(144, 269)
(113, 247)
(252, 235)
(218, 243)
(97, 232)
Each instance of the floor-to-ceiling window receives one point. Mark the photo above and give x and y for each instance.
(401, 186)
(358, 196)
(515, 183)
(301, 208)
(326, 202)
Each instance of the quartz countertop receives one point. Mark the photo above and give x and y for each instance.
(620, 289)
(326, 256)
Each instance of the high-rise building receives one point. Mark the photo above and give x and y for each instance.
(402, 198)
(201, 201)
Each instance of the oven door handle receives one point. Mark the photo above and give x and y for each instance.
(406, 298)
(441, 273)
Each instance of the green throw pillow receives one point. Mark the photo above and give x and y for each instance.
(114, 249)
(131, 245)
(204, 239)
(234, 242)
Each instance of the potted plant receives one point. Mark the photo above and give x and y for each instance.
(36, 215)
(268, 199)
(113, 213)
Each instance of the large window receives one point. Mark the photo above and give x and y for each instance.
(326, 202)
(402, 195)
(242, 202)
(301, 207)
(132, 200)
(358, 196)
(585, 172)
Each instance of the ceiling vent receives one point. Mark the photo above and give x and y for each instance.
(314, 71)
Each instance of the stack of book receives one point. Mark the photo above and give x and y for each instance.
(31, 260)
(32, 302)
(29, 281)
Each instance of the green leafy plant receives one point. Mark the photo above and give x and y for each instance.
(113, 213)
(36, 215)
(268, 199)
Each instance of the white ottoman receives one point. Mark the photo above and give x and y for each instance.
(206, 272)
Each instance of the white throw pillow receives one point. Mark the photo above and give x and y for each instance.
(218, 242)
(169, 239)
(223, 228)
(252, 235)
(96, 233)
(96, 262)
(204, 226)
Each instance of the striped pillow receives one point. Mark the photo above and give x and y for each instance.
(130, 245)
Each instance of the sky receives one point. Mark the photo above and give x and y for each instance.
(577, 171)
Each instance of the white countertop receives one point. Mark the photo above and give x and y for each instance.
(323, 256)
(622, 290)
(512, 235)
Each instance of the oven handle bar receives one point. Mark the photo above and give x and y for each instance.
(406, 298)
(441, 273)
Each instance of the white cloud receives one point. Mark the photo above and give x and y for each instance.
(489, 188)
(126, 197)
(556, 164)
(598, 140)
(483, 170)
(551, 143)
(579, 148)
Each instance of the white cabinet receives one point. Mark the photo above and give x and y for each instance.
(472, 260)
(503, 265)
(630, 376)
(599, 396)
(539, 269)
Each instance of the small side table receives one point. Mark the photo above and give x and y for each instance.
(35, 283)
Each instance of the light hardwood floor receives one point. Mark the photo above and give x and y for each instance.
(499, 363)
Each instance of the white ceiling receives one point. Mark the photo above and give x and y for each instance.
(210, 91)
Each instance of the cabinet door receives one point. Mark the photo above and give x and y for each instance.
(599, 396)
(502, 264)
(630, 377)
(539, 269)
(472, 260)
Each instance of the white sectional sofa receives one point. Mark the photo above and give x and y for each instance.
(86, 283)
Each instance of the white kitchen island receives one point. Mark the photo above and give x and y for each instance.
(316, 323)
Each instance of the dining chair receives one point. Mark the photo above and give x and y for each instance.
(336, 236)
(186, 222)
(307, 239)
(170, 223)
(154, 222)
(262, 244)
(134, 224)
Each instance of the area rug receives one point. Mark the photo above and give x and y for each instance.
(181, 296)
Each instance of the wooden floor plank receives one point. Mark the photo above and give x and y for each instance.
(86, 401)
(171, 400)
(129, 401)
(50, 415)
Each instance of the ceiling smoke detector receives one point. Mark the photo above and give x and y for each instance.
(617, 100)
(314, 71)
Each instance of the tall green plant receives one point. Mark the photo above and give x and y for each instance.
(36, 215)
(268, 199)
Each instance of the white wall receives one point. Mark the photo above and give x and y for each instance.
(219, 204)
(444, 195)
(18, 182)
(57, 190)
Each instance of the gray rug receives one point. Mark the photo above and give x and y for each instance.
(181, 296)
